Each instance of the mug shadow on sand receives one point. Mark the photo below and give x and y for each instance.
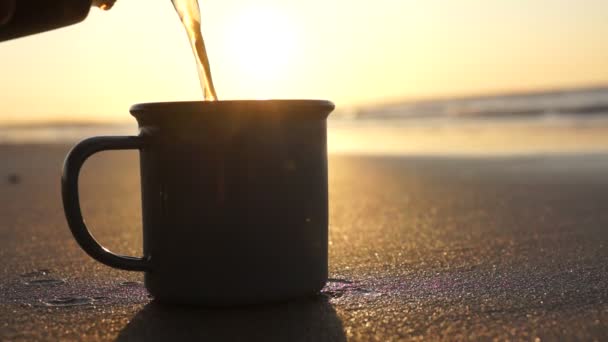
(311, 319)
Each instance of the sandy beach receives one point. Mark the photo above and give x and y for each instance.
(445, 248)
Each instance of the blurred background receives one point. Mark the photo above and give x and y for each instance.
(465, 77)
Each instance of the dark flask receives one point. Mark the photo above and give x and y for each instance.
(26, 17)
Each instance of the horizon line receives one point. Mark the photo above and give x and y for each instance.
(71, 122)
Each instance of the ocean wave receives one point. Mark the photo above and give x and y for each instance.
(579, 102)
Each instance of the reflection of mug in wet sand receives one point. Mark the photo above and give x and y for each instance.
(234, 199)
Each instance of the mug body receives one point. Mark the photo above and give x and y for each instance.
(234, 200)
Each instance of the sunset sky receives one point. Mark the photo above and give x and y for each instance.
(349, 51)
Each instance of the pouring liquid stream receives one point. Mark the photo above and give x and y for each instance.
(190, 15)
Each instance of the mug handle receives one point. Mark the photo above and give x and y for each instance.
(71, 204)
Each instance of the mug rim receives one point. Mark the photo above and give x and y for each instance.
(322, 107)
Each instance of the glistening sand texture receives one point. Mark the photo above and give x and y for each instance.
(440, 248)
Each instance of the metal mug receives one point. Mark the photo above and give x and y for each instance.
(234, 200)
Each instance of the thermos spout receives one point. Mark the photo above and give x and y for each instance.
(104, 4)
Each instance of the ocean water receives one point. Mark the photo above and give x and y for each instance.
(564, 121)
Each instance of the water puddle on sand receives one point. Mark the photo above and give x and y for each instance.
(69, 301)
(131, 284)
(44, 282)
(338, 287)
(339, 281)
(44, 288)
(36, 273)
(40, 278)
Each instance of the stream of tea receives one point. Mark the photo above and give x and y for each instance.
(190, 15)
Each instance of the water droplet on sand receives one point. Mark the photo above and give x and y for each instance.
(337, 287)
(13, 178)
(372, 294)
(69, 301)
(44, 282)
(131, 283)
(36, 273)
(339, 281)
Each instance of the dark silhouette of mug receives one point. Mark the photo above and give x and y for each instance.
(234, 200)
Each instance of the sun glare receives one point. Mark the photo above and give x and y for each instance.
(261, 44)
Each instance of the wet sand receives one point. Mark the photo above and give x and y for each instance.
(439, 248)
